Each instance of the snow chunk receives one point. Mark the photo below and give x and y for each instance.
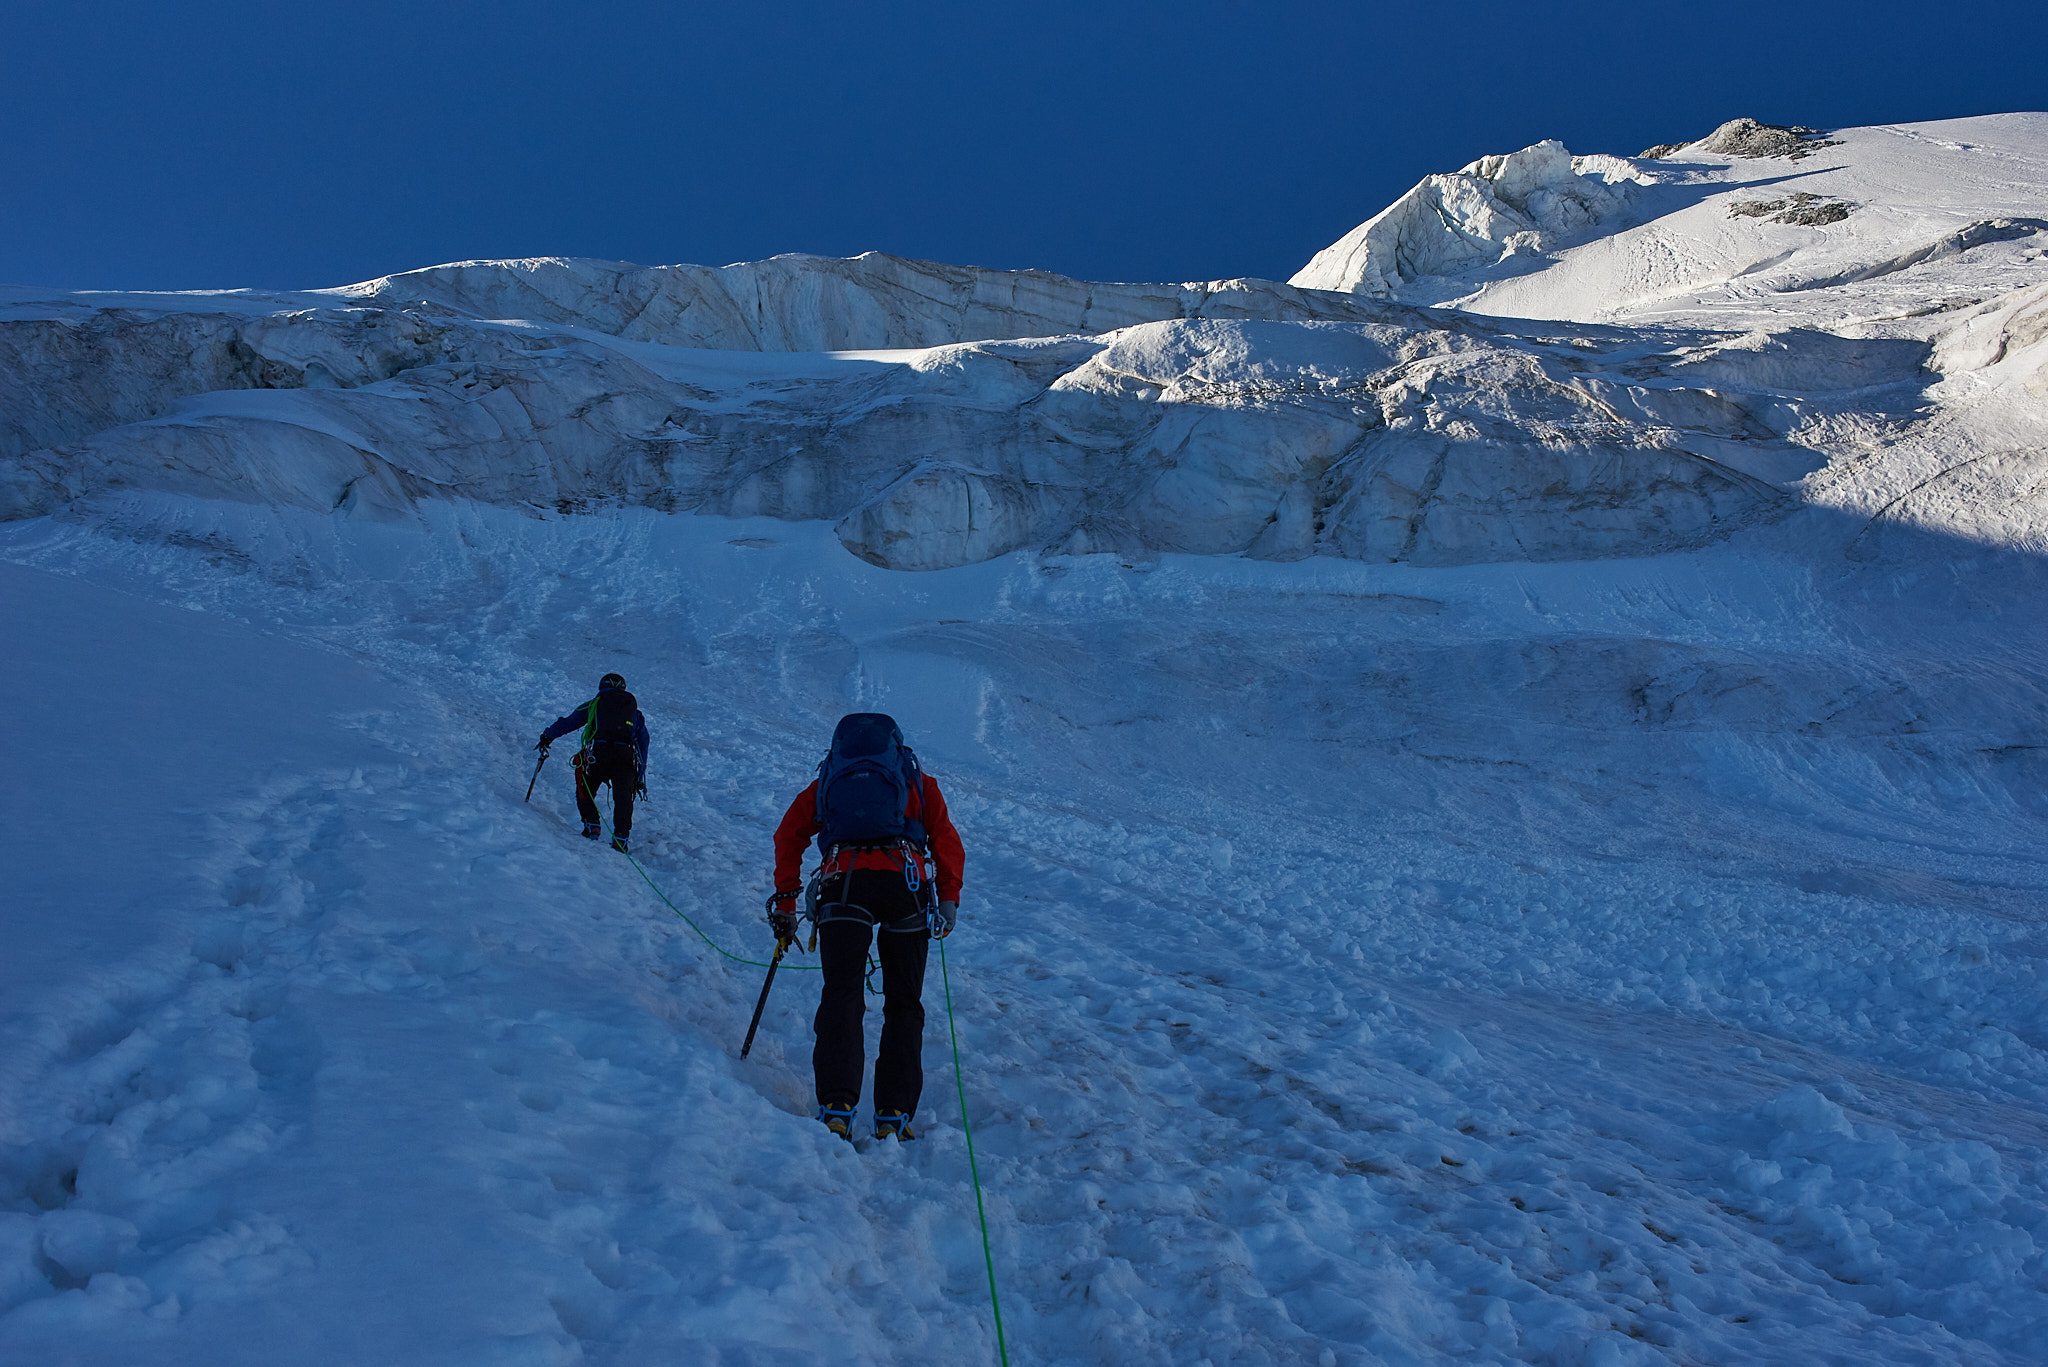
(1523, 202)
(2006, 326)
(85, 1242)
(1804, 1111)
(1948, 245)
(20, 1279)
(1803, 361)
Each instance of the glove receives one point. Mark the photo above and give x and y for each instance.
(943, 917)
(542, 744)
(782, 913)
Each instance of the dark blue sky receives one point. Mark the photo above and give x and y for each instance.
(153, 145)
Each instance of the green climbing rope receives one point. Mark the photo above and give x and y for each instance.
(973, 1168)
(751, 963)
(656, 888)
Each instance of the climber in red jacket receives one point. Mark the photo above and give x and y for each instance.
(890, 872)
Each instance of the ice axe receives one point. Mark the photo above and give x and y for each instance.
(761, 1005)
(536, 773)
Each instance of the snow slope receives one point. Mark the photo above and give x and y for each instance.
(1936, 216)
(1580, 930)
(1600, 963)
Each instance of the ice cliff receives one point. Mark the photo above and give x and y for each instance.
(1429, 440)
(941, 415)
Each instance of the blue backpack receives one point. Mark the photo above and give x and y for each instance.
(865, 783)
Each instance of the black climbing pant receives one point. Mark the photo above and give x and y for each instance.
(615, 764)
(885, 911)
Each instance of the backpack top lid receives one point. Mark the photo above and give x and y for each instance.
(861, 734)
(866, 784)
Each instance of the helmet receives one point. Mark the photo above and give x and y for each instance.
(610, 681)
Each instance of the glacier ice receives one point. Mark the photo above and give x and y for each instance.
(941, 415)
(1523, 202)
(799, 302)
(1440, 444)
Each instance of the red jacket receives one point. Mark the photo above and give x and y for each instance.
(800, 824)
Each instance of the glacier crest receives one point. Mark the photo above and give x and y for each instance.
(1521, 202)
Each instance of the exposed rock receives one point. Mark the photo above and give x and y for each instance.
(1749, 138)
(1529, 201)
(1802, 210)
(1815, 215)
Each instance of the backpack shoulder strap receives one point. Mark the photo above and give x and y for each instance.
(913, 779)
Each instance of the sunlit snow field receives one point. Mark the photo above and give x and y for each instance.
(1627, 962)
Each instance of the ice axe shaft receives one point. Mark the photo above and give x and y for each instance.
(762, 1004)
(536, 776)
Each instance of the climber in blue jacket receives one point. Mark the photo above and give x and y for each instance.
(614, 751)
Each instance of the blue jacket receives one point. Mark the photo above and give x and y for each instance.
(580, 717)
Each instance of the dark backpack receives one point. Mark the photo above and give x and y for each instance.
(866, 783)
(610, 717)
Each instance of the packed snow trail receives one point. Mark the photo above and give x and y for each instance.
(1343, 1012)
(773, 966)
(375, 916)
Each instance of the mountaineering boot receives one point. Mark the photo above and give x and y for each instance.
(838, 1121)
(893, 1125)
(619, 843)
(591, 830)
